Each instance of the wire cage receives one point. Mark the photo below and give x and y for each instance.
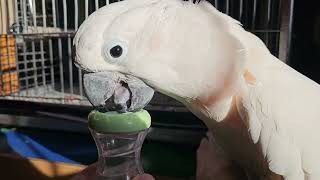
(36, 53)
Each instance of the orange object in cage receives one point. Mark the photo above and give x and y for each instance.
(7, 53)
(8, 64)
(8, 83)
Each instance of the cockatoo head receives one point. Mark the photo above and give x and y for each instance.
(182, 49)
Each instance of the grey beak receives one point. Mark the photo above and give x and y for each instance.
(114, 91)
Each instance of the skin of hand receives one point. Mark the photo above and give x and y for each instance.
(144, 177)
(213, 164)
(89, 174)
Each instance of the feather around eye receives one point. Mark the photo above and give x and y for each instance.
(115, 51)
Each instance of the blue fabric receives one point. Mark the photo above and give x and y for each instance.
(27, 147)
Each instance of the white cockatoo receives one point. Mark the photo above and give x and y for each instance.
(262, 113)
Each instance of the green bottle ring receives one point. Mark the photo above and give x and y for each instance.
(114, 122)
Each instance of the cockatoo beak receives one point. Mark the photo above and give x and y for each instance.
(114, 91)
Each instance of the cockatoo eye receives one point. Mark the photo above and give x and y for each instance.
(115, 51)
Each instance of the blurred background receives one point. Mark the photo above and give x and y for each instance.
(43, 109)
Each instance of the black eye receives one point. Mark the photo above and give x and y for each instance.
(116, 51)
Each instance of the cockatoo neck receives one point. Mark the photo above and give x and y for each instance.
(211, 114)
(212, 110)
(219, 110)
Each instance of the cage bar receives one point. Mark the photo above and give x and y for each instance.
(37, 68)
(25, 64)
(34, 64)
(96, 2)
(240, 9)
(76, 14)
(51, 63)
(34, 13)
(24, 8)
(44, 22)
(285, 29)
(42, 63)
(70, 66)
(76, 28)
(54, 18)
(254, 13)
(227, 6)
(65, 16)
(8, 61)
(44, 14)
(61, 65)
(86, 7)
(16, 11)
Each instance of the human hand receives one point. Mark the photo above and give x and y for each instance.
(212, 162)
(89, 173)
(144, 177)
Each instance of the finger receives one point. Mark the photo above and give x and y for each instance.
(144, 177)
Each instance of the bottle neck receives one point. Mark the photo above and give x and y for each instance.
(119, 155)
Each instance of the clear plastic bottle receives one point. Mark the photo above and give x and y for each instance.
(119, 154)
